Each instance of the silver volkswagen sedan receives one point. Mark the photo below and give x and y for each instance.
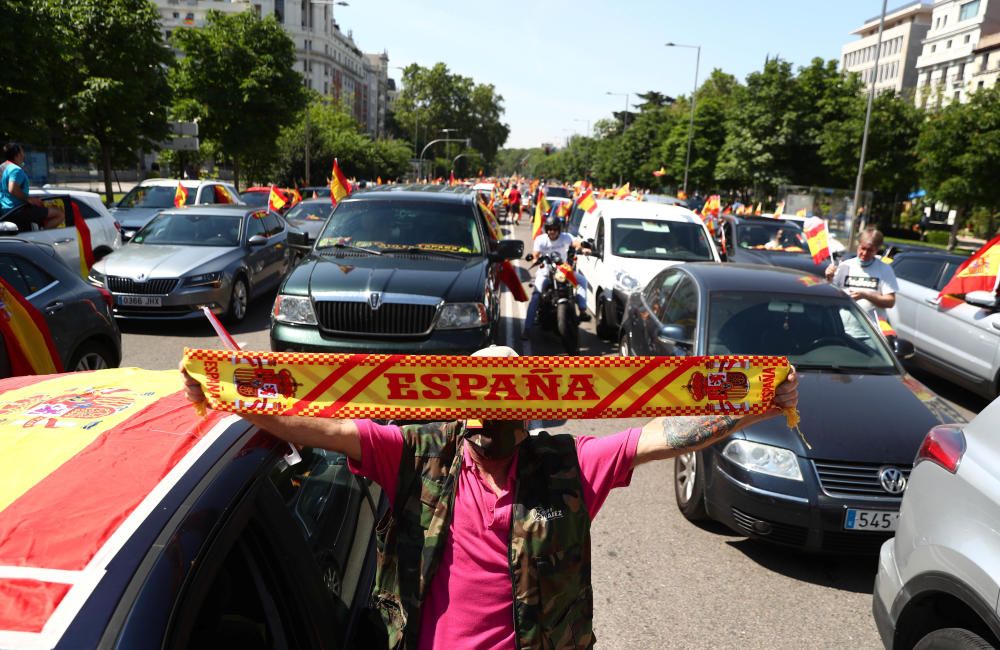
(219, 257)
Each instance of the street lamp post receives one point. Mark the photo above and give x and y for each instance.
(447, 146)
(694, 96)
(864, 137)
(434, 142)
(624, 123)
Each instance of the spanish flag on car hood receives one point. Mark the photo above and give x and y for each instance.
(978, 273)
(84, 459)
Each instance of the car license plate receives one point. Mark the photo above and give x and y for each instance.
(139, 301)
(882, 520)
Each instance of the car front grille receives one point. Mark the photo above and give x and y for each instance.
(839, 478)
(158, 287)
(391, 319)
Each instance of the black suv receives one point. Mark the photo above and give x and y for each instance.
(404, 271)
(751, 240)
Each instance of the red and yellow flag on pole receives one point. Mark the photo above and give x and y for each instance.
(817, 238)
(541, 209)
(340, 188)
(276, 200)
(296, 197)
(660, 172)
(83, 241)
(623, 192)
(779, 209)
(26, 335)
(587, 201)
(180, 195)
(978, 273)
(221, 195)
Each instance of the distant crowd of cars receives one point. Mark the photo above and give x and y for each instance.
(416, 269)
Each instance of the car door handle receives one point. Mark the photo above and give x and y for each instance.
(65, 241)
(933, 301)
(53, 307)
(996, 325)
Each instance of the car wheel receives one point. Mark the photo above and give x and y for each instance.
(689, 486)
(604, 328)
(953, 638)
(623, 349)
(331, 573)
(238, 300)
(568, 328)
(92, 355)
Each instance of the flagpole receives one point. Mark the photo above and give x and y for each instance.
(864, 137)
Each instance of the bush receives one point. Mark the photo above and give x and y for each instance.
(938, 237)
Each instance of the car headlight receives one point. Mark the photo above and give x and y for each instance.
(763, 459)
(204, 280)
(294, 309)
(625, 281)
(462, 315)
(95, 278)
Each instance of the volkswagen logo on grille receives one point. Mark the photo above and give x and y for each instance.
(140, 278)
(893, 480)
(375, 300)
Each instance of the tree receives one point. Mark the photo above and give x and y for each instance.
(238, 70)
(117, 95)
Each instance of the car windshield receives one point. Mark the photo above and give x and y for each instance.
(558, 192)
(154, 196)
(429, 225)
(776, 237)
(659, 240)
(814, 332)
(191, 229)
(255, 199)
(309, 212)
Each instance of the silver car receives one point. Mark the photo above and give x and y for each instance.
(938, 581)
(192, 257)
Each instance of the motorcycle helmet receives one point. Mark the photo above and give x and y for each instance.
(552, 222)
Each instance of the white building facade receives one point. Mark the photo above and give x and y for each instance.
(948, 63)
(902, 36)
(329, 60)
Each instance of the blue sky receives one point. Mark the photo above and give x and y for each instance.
(554, 60)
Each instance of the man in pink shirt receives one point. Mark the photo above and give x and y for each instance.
(487, 542)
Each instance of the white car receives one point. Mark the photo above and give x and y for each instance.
(632, 242)
(105, 233)
(154, 195)
(938, 580)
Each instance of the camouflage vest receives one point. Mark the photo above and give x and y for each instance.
(549, 548)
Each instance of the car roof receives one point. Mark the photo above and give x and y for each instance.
(642, 210)
(411, 193)
(220, 210)
(757, 277)
(172, 182)
(925, 253)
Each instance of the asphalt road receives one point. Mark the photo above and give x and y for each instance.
(659, 580)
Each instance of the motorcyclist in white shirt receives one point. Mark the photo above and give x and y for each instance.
(554, 240)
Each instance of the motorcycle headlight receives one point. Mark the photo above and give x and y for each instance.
(95, 278)
(297, 310)
(625, 281)
(462, 315)
(560, 276)
(763, 459)
(204, 280)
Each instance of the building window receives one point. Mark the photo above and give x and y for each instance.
(949, 44)
(279, 11)
(968, 37)
(933, 48)
(958, 95)
(968, 10)
(980, 85)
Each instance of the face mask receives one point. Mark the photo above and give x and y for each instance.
(496, 440)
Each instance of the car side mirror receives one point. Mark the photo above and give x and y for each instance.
(257, 240)
(984, 299)
(297, 238)
(903, 349)
(8, 228)
(673, 334)
(508, 249)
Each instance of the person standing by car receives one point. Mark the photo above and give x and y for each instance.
(867, 279)
(487, 544)
(15, 204)
(514, 205)
(553, 240)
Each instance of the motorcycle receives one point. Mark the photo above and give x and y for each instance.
(557, 304)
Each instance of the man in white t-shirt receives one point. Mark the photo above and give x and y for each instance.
(867, 279)
(553, 240)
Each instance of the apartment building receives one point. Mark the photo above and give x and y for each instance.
(948, 66)
(902, 37)
(328, 59)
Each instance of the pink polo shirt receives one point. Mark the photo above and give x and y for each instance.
(470, 602)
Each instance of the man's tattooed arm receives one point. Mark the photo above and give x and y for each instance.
(669, 437)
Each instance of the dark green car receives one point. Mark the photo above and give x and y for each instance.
(396, 272)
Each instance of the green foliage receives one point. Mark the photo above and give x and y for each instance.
(937, 237)
(433, 99)
(237, 73)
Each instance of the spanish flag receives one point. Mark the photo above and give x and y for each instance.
(660, 172)
(26, 335)
(564, 208)
(885, 328)
(779, 209)
(541, 209)
(622, 192)
(978, 273)
(587, 201)
(296, 197)
(451, 178)
(817, 238)
(276, 200)
(508, 275)
(180, 196)
(569, 274)
(222, 195)
(340, 189)
(83, 240)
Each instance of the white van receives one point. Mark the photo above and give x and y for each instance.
(632, 242)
